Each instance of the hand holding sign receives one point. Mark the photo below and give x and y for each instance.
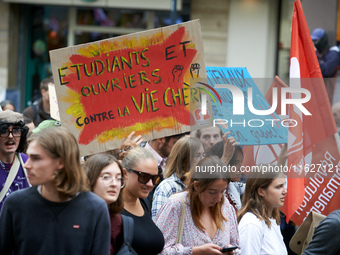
(229, 144)
(281, 161)
(137, 141)
(138, 82)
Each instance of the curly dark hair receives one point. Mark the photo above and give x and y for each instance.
(24, 131)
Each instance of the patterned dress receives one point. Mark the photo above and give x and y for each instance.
(168, 219)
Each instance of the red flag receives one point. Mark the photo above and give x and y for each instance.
(312, 144)
(310, 129)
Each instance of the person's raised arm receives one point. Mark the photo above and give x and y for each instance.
(281, 161)
(135, 141)
(228, 148)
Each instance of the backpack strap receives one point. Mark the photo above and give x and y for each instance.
(22, 163)
(181, 224)
(11, 176)
(128, 225)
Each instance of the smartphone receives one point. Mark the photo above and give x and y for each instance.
(226, 249)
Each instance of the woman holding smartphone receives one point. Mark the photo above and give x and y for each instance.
(209, 221)
(259, 216)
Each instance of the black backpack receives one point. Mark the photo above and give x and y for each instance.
(126, 248)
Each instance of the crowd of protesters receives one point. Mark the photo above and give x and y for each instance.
(54, 205)
(141, 198)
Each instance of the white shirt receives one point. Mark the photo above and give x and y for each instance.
(256, 238)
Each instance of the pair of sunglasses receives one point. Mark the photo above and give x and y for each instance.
(145, 178)
(16, 132)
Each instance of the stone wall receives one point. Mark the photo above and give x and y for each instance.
(214, 26)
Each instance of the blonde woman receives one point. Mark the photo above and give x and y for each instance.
(186, 152)
(140, 175)
(105, 176)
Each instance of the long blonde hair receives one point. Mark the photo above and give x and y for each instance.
(203, 180)
(180, 157)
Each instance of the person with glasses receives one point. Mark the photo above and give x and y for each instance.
(105, 176)
(13, 133)
(140, 175)
(58, 214)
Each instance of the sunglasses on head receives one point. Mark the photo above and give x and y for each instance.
(144, 178)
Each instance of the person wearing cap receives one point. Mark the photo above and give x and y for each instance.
(13, 133)
(328, 58)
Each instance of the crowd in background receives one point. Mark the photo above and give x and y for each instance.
(142, 198)
(146, 197)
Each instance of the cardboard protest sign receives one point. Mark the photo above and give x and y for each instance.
(247, 125)
(138, 82)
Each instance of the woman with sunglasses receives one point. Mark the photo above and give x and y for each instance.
(105, 176)
(140, 175)
(208, 220)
